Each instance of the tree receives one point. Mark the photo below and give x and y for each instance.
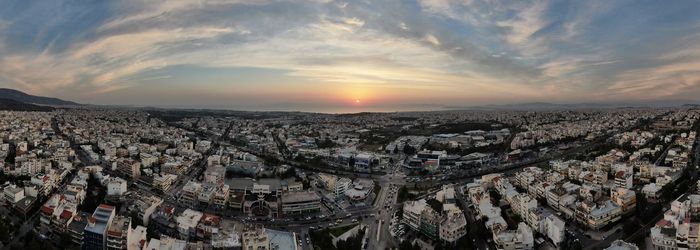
(327, 143)
(406, 245)
(4, 231)
(407, 149)
(465, 242)
(66, 239)
(404, 195)
(351, 162)
(95, 195)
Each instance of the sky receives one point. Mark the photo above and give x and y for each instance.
(358, 55)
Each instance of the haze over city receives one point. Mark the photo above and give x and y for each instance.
(313, 55)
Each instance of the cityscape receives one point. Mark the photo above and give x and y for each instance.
(147, 178)
(349, 125)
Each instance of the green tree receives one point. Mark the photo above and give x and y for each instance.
(4, 231)
(66, 239)
(407, 149)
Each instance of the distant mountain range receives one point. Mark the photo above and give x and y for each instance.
(9, 104)
(22, 97)
(573, 106)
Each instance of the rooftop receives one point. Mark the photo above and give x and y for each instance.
(98, 220)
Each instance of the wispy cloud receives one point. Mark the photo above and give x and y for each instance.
(485, 50)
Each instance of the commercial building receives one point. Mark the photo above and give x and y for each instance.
(300, 202)
(95, 233)
(336, 185)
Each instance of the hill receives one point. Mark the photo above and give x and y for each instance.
(9, 104)
(27, 98)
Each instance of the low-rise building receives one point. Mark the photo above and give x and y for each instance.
(145, 206)
(626, 199)
(598, 215)
(300, 202)
(190, 193)
(118, 233)
(255, 239)
(412, 213)
(13, 194)
(623, 179)
(187, 223)
(652, 192)
(555, 229)
(164, 182)
(128, 167)
(453, 227)
(116, 186)
(622, 245)
(520, 238)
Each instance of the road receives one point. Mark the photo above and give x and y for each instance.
(385, 205)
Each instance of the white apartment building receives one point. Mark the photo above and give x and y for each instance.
(623, 179)
(116, 186)
(520, 238)
(453, 227)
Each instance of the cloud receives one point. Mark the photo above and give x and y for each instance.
(539, 50)
(432, 40)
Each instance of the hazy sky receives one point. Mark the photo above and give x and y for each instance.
(253, 54)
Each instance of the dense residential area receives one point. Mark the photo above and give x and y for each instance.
(117, 178)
